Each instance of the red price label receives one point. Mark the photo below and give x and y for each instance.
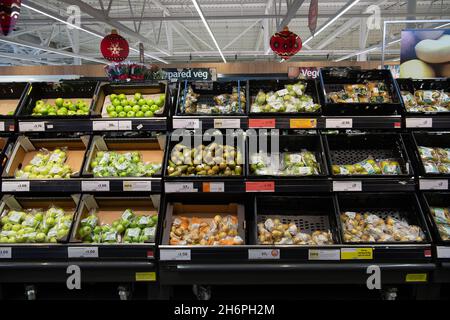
(265, 186)
(261, 123)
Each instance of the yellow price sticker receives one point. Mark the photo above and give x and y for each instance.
(416, 277)
(356, 253)
(145, 276)
(302, 123)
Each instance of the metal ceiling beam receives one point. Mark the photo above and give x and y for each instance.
(100, 16)
(128, 18)
(26, 58)
(291, 11)
(56, 51)
(264, 27)
(242, 33)
(341, 30)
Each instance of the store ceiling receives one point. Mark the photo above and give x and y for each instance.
(173, 31)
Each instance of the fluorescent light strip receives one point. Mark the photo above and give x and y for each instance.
(98, 35)
(68, 54)
(331, 21)
(197, 7)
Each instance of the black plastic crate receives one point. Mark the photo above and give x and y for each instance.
(345, 149)
(192, 139)
(333, 79)
(288, 143)
(53, 90)
(254, 86)
(309, 213)
(431, 140)
(411, 85)
(13, 91)
(435, 199)
(106, 89)
(403, 206)
(207, 91)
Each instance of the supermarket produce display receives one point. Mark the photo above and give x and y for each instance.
(96, 174)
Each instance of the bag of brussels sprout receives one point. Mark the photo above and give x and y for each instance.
(148, 234)
(390, 166)
(132, 235)
(300, 163)
(130, 164)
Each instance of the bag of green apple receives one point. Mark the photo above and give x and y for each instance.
(127, 218)
(147, 221)
(148, 234)
(33, 219)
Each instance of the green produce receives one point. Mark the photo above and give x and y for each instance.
(210, 160)
(130, 164)
(290, 99)
(369, 167)
(62, 107)
(130, 228)
(135, 107)
(223, 103)
(302, 163)
(435, 160)
(34, 226)
(46, 165)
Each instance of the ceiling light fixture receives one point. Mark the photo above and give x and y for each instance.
(331, 21)
(95, 34)
(199, 10)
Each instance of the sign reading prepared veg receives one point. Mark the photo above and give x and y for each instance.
(196, 74)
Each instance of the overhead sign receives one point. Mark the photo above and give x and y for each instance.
(194, 74)
(303, 72)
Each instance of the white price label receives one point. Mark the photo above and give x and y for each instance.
(175, 187)
(137, 186)
(314, 254)
(2, 126)
(433, 184)
(20, 186)
(215, 186)
(347, 186)
(5, 252)
(95, 185)
(263, 254)
(105, 125)
(227, 123)
(179, 255)
(339, 123)
(125, 125)
(31, 126)
(443, 252)
(82, 252)
(419, 122)
(186, 123)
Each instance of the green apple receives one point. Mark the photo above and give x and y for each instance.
(80, 104)
(119, 109)
(113, 114)
(148, 114)
(28, 168)
(80, 112)
(145, 108)
(61, 233)
(138, 96)
(159, 102)
(113, 96)
(124, 102)
(141, 102)
(150, 102)
(116, 102)
(40, 103)
(131, 114)
(110, 108)
(154, 108)
(127, 109)
(86, 109)
(136, 108)
(68, 104)
(139, 114)
(72, 107)
(59, 102)
(71, 113)
(40, 237)
(122, 96)
(122, 114)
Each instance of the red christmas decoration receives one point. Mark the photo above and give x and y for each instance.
(114, 47)
(9, 13)
(285, 43)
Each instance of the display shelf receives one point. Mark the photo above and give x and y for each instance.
(12, 97)
(45, 271)
(183, 119)
(93, 125)
(442, 273)
(153, 185)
